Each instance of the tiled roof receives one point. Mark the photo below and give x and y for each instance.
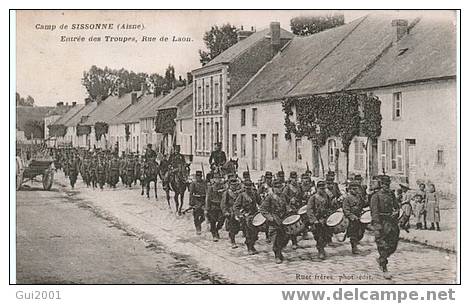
(109, 108)
(154, 107)
(84, 111)
(69, 114)
(130, 114)
(240, 47)
(185, 94)
(359, 54)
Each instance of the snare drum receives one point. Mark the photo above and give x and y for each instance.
(259, 222)
(337, 222)
(303, 213)
(366, 217)
(293, 224)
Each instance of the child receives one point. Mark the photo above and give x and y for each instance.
(405, 197)
(432, 208)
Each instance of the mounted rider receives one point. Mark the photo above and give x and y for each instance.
(217, 157)
(175, 161)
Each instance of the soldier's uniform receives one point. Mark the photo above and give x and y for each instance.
(275, 208)
(228, 200)
(318, 209)
(217, 157)
(176, 160)
(353, 203)
(291, 192)
(213, 208)
(384, 210)
(245, 208)
(100, 173)
(197, 198)
(130, 168)
(114, 172)
(73, 171)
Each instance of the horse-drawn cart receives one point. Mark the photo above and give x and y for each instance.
(30, 170)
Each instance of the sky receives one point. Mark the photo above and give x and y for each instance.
(50, 70)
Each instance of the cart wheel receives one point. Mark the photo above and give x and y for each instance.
(19, 180)
(47, 179)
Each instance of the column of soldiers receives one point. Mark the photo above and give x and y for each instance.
(232, 202)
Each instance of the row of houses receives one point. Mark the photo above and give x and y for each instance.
(236, 99)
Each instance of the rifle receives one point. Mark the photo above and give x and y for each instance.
(203, 175)
(308, 169)
(247, 168)
(282, 168)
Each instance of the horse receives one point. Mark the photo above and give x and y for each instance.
(230, 167)
(178, 183)
(149, 173)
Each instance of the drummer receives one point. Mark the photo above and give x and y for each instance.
(274, 208)
(318, 209)
(229, 197)
(353, 204)
(245, 208)
(291, 191)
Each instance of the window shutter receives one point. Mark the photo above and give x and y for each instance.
(399, 156)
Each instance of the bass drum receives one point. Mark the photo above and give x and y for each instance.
(260, 223)
(337, 222)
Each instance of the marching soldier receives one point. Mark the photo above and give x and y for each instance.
(228, 200)
(353, 203)
(318, 209)
(245, 209)
(73, 170)
(274, 208)
(291, 191)
(130, 168)
(263, 190)
(213, 210)
(122, 168)
(114, 171)
(384, 210)
(197, 198)
(150, 153)
(100, 173)
(217, 157)
(175, 160)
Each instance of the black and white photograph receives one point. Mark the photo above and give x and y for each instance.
(235, 147)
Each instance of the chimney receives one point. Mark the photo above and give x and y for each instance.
(74, 103)
(275, 28)
(400, 27)
(157, 91)
(133, 97)
(87, 100)
(143, 88)
(242, 34)
(189, 78)
(60, 104)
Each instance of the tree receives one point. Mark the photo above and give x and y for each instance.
(308, 25)
(100, 83)
(217, 40)
(34, 129)
(21, 101)
(170, 78)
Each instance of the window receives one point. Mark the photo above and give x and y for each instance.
(383, 155)
(358, 155)
(393, 154)
(399, 156)
(397, 106)
(208, 137)
(254, 151)
(234, 145)
(242, 145)
(331, 151)
(216, 131)
(275, 146)
(298, 149)
(242, 117)
(199, 99)
(181, 126)
(199, 136)
(207, 98)
(440, 157)
(216, 95)
(254, 117)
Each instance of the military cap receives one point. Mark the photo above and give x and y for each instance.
(268, 174)
(277, 183)
(321, 184)
(149, 145)
(330, 173)
(385, 179)
(293, 174)
(248, 183)
(330, 178)
(233, 181)
(246, 174)
(218, 143)
(357, 177)
(280, 174)
(305, 175)
(354, 184)
(199, 173)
